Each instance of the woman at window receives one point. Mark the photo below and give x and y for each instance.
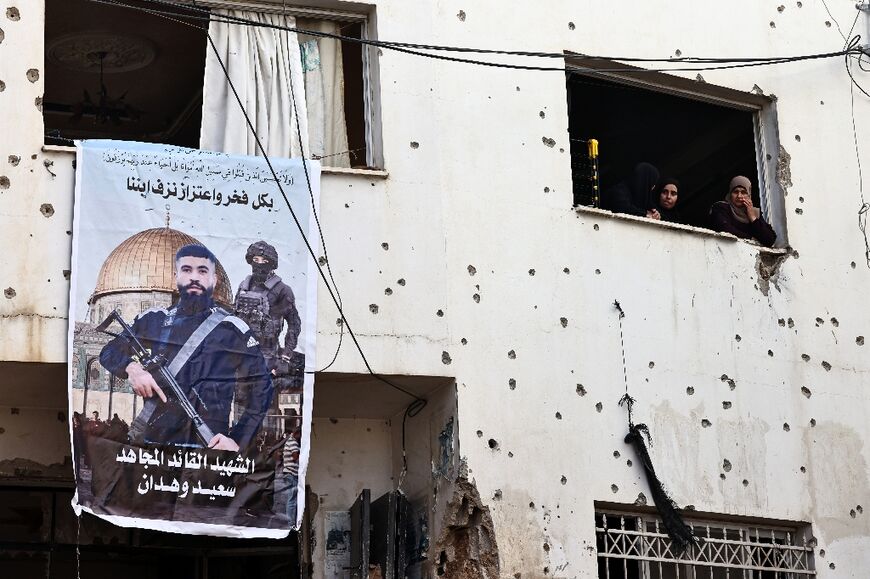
(665, 200)
(737, 216)
(632, 195)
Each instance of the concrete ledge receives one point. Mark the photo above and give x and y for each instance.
(371, 173)
(700, 231)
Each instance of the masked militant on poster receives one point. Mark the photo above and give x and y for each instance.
(192, 308)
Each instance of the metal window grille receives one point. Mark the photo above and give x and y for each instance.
(584, 172)
(636, 546)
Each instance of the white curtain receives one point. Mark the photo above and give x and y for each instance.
(324, 92)
(262, 62)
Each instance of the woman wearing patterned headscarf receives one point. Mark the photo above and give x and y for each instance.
(737, 216)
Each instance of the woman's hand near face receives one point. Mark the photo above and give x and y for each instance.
(752, 212)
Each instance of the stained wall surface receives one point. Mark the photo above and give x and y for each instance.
(496, 281)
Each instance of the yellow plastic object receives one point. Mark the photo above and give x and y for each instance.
(592, 144)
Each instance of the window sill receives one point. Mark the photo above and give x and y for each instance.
(58, 149)
(699, 231)
(370, 173)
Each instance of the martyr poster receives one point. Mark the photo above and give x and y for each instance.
(191, 344)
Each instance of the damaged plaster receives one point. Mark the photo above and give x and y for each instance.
(783, 169)
(467, 547)
(768, 267)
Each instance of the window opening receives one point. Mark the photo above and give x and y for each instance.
(700, 134)
(354, 97)
(151, 86)
(636, 546)
(117, 73)
(40, 536)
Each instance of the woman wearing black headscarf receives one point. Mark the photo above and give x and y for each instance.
(632, 195)
(665, 199)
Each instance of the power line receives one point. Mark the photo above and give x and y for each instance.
(836, 23)
(446, 48)
(339, 303)
(419, 403)
(416, 48)
(850, 50)
(864, 210)
(332, 292)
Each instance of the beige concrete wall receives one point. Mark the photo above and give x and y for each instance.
(348, 455)
(36, 207)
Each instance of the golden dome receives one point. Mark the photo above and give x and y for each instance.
(145, 262)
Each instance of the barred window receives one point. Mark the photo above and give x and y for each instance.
(636, 546)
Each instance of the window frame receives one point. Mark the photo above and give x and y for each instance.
(370, 71)
(762, 107)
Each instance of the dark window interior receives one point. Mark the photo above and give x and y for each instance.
(354, 89)
(153, 70)
(614, 568)
(40, 534)
(700, 144)
(152, 73)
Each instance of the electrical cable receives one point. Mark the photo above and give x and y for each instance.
(536, 54)
(419, 403)
(681, 535)
(305, 167)
(414, 48)
(852, 78)
(836, 23)
(340, 303)
(725, 63)
(618, 307)
(299, 225)
(864, 209)
(851, 49)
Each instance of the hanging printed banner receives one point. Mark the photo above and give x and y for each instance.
(193, 308)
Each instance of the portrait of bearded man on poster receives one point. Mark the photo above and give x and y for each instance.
(210, 351)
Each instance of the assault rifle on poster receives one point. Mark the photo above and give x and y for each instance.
(155, 364)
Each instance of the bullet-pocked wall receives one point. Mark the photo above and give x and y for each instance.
(468, 261)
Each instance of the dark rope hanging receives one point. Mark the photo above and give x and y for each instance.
(679, 532)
